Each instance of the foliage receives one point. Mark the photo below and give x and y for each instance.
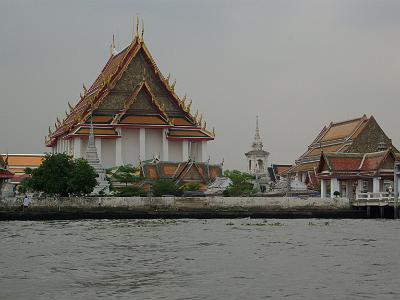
(191, 186)
(129, 191)
(165, 187)
(82, 179)
(336, 193)
(240, 186)
(60, 175)
(125, 174)
(24, 185)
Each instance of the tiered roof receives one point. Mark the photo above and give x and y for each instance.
(338, 137)
(4, 172)
(181, 172)
(131, 92)
(356, 164)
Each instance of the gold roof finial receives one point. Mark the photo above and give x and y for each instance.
(142, 29)
(70, 106)
(189, 105)
(55, 125)
(213, 131)
(201, 119)
(58, 121)
(80, 95)
(184, 98)
(137, 27)
(204, 125)
(66, 113)
(168, 77)
(50, 131)
(196, 114)
(84, 88)
(222, 163)
(173, 85)
(113, 42)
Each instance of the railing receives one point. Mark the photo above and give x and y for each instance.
(375, 197)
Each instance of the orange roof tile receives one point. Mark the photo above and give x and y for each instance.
(24, 160)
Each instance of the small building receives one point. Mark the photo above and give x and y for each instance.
(257, 160)
(360, 135)
(17, 163)
(5, 176)
(278, 171)
(181, 172)
(355, 175)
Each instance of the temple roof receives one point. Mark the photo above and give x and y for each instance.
(153, 100)
(360, 163)
(17, 163)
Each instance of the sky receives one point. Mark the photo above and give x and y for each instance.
(297, 64)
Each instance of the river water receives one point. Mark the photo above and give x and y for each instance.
(200, 259)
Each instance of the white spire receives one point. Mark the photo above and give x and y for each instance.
(257, 144)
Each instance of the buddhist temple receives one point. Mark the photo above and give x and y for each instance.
(17, 163)
(361, 135)
(357, 175)
(136, 114)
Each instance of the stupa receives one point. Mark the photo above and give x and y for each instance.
(93, 159)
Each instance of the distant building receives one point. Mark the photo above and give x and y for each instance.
(136, 115)
(17, 163)
(181, 172)
(353, 175)
(257, 162)
(360, 135)
(278, 171)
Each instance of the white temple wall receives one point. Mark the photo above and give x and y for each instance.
(84, 143)
(130, 146)
(196, 151)
(153, 143)
(175, 150)
(108, 153)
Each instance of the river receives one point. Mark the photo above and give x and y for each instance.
(200, 259)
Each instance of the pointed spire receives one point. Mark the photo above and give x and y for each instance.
(137, 27)
(142, 30)
(70, 106)
(257, 144)
(84, 89)
(173, 85)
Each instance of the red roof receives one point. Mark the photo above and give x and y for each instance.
(5, 174)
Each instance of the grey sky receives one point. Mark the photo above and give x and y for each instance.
(297, 64)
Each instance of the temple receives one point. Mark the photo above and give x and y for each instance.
(361, 135)
(136, 115)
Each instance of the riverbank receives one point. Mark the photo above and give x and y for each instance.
(177, 207)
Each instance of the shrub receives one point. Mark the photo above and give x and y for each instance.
(240, 186)
(129, 191)
(191, 186)
(165, 187)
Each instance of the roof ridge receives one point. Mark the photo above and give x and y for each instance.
(363, 117)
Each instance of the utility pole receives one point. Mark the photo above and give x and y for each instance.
(396, 188)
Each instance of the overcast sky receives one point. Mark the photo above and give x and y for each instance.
(296, 64)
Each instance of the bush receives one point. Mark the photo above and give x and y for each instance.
(336, 193)
(129, 191)
(192, 186)
(165, 187)
(240, 186)
(60, 175)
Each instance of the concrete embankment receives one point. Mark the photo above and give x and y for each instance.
(176, 207)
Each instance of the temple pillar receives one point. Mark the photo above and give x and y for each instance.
(349, 189)
(376, 182)
(185, 150)
(165, 156)
(98, 147)
(323, 188)
(118, 148)
(77, 147)
(204, 152)
(334, 186)
(142, 143)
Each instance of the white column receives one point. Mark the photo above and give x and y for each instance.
(118, 149)
(323, 188)
(349, 188)
(142, 143)
(164, 146)
(334, 186)
(97, 142)
(204, 152)
(77, 147)
(376, 185)
(185, 150)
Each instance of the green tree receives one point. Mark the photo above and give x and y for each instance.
(83, 178)
(125, 174)
(240, 186)
(60, 175)
(165, 187)
(191, 186)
